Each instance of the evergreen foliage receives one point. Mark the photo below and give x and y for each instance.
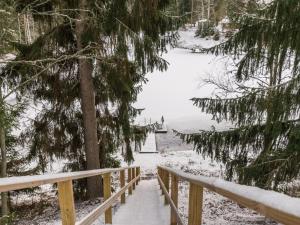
(123, 39)
(205, 29)
(263, 148)
(8, 26)
(17, 163)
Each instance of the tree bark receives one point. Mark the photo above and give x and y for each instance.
(177, 8)
(208, 10)
(202, 15)
(4, 196)
(94, 185)
(192, 11)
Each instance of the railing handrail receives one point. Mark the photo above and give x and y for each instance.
(98, 211)
(65, 190)
(171, 202)
(247, 196)
(21, 182)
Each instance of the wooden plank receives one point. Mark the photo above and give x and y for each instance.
(179, 219)
(163, 178)
(159, 174)
(174, 197)
(107, 194)
(138, 172)
(133, 176)
(128, 180)
(122, 184)
(195, 204)
(277, 215)
(167, 184)
(267, 210)
(94, 215)
(66, 202)
(17, 183)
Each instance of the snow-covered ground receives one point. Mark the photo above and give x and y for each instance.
(217, 210)
(168, 93)
(167, 142)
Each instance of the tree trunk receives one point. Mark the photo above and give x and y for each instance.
(177, 7)
(274, 76)
(202, 9)
(192, 11)
(4, 197)
(202, 15)
(94, 185)
(208, 10)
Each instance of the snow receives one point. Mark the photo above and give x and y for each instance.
(271, 199)
(168, 93)
(150, 145)
(189, 41)
(217, 210)
(145, 206)
(15, 183)
(146, 201)
(173, 152)
(167, 142)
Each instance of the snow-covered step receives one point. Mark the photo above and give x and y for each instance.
(144, 207)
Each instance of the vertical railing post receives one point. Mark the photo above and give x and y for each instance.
(122, 184)
(174, 197)
(195, 204)
(163, 179)
(66, 202)
(107, 194)
(133, 176)
(128, 180)
(160, 175)
(167, 185)
(138, 172)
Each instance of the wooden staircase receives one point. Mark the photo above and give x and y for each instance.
(145, 204)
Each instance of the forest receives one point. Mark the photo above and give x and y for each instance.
(72, 74)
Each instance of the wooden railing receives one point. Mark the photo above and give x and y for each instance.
(65, 190)
(244, 195)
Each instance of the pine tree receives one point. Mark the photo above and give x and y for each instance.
(12, 162)
(120, 42)
(263, 148)
(8, 27)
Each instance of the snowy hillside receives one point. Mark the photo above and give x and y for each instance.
(168, 142)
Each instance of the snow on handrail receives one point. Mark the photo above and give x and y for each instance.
(278, 206)
(16, 183)
(173, 206)
(65, 190)
(98, 211)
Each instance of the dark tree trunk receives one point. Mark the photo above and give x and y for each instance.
(4, 196)
(94, 185)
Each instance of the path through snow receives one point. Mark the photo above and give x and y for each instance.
(145, 206)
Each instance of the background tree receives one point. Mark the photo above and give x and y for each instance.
(263, 148)
(12, 162)
(109, 46)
